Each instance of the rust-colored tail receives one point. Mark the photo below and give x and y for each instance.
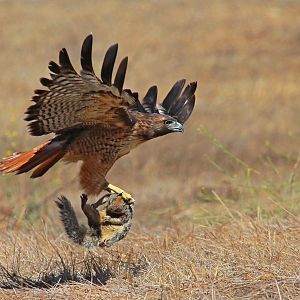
(43, 157)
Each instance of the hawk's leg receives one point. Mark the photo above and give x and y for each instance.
(117, 190)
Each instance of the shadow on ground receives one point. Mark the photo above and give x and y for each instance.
(93, 270)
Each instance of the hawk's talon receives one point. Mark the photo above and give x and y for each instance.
(126, 196)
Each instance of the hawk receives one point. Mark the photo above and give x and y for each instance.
(95, 120)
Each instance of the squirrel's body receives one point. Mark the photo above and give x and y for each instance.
(109, 220)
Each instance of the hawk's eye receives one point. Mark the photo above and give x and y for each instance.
(169, 122)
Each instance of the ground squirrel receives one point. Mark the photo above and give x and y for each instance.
(109, 220)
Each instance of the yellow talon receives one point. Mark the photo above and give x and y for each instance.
(126, 196)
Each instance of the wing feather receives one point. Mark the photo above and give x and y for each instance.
(188, 92)
(54, 67)
(177, 104)
(86, 55)
(149, 101)
(108, 64)
(120, 75)
(186, 111)
(74, 100)
(173, 94)
(64, 61)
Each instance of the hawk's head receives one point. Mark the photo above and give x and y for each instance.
(169, 116)
(172, 125)
(155, 125)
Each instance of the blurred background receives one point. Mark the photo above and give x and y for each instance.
(239, 151)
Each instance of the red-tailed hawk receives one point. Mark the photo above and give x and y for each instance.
(95, 120)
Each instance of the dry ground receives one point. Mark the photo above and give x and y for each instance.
(217, 208)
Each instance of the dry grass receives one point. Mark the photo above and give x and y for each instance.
(245, 259)
(217, 208)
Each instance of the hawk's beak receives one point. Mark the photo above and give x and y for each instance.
(176, 127)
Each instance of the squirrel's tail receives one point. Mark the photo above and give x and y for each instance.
(68, 217)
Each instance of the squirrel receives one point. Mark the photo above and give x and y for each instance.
(109, 220)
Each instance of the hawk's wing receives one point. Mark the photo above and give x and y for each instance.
(76, 101)
(179, 103)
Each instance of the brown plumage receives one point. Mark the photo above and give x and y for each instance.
(94, 120)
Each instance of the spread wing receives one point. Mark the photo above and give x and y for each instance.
(179, 103)
(79, 100)
(76, 101)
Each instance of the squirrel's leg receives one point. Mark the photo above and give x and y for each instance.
(91, 213)
(113, 221)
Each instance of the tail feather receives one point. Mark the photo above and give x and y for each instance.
(15, 161)
(12, 163)
(46, 165)
(44, 156)
(44, 153)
